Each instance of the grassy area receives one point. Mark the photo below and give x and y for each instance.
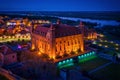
(3, 77)
(111, 72)
(87, 63)
(93, 63)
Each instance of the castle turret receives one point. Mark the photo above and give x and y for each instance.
(82, 28)
(52, 41)
(32, 37)
(82, 31)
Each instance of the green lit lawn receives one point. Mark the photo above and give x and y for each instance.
(87, 63)
(111, 72)
(68, 66)
(92, 63)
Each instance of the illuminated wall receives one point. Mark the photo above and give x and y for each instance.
(68, 44)
(57, 39)
(92, 35)
(59, 46)
(40, 43)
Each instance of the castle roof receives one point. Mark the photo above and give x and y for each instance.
(60, 30)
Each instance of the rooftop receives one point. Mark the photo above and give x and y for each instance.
(61, 30)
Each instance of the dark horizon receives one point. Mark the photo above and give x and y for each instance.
(58, 11)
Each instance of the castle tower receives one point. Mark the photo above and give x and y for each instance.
(82, 31)
(52, 41)
(32, 37)
(82, 28)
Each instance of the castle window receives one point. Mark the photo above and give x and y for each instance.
(60, 42)
(78, 41)
(56, 50)
(68, 43)
(60, 48)
(75, 42)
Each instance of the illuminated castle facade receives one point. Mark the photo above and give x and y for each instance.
(57, 39)
(88, 33)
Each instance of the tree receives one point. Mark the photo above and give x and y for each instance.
(65, 55)
(78, 51)
(58, 57)
(72, 52)
(44, 55)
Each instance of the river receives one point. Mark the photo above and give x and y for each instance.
(100, 22)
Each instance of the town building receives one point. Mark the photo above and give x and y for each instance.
(7, 56)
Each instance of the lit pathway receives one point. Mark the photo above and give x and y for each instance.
(96, 69)
(14, 39)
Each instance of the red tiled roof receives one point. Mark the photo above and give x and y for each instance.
(41, 30)
(61, 30)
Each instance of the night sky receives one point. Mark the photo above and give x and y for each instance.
(59, 5)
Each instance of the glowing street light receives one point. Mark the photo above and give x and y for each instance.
(117, 48)
(101, 35)
(116, 44)
(106, 46)
(100, 44)
(105, 40)
(101, 40)
(39, 53)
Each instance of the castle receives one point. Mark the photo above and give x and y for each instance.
(58, 39)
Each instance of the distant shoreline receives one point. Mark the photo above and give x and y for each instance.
(99, 15)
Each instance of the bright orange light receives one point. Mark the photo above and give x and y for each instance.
(39, 53)
(33, 47)
(52, 57)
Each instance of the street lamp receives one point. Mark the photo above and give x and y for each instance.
(106, 46)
